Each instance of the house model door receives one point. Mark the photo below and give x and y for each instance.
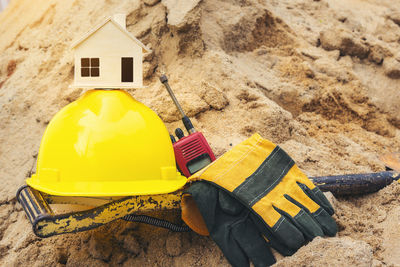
(127, 69)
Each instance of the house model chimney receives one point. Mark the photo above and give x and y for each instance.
(120, 19)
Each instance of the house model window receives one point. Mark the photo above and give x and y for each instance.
(90, 67)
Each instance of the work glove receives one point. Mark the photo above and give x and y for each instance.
(231, 226)
(254, 197)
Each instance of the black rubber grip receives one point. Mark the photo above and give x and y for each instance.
(188, 124)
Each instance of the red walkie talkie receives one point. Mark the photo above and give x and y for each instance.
(192, 152)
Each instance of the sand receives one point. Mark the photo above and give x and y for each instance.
(320, 78)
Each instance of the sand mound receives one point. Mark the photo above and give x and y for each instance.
(321, 78)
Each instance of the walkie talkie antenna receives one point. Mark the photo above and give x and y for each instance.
(185, 119)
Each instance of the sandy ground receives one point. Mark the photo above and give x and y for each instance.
(321, 78)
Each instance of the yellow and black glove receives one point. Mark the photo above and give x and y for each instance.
(253, 197)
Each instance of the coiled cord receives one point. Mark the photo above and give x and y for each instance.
(156, 222)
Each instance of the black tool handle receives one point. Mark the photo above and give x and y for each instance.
(355, 184)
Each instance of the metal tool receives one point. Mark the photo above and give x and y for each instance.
(355, 184)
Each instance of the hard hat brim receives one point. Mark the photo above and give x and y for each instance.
(120, 188)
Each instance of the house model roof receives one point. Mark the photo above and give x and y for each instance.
(119, 26)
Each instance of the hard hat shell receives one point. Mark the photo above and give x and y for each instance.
(106, 144)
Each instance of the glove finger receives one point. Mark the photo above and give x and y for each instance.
(322, 200)
(218, 223)
(272, 240)
(318, 197)
(315, 224)
(323, 214)
(229, 246)
(287, 233)
(307, 224)
(252, 243)
(326, 222)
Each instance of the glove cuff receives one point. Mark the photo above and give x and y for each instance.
(191, 215)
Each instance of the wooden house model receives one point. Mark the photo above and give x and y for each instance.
(108, 56)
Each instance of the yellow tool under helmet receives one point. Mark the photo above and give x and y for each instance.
(106, 144)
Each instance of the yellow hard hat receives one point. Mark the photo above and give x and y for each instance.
(106, 144)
